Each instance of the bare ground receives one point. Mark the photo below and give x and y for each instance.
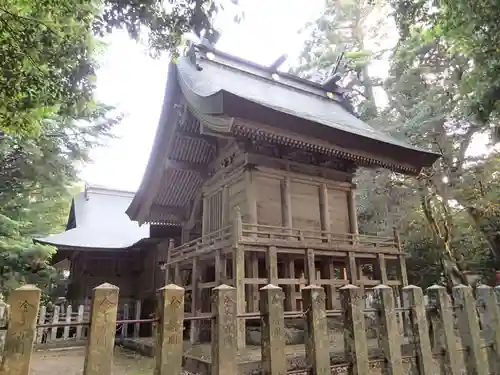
(70, 362)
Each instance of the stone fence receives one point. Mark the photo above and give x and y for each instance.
(444, 338)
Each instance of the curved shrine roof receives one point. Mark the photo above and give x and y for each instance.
(98, 221)
(223, 88)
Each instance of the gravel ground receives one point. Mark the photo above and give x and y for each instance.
(70, 362)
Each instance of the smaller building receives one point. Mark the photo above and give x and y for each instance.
(101, 244)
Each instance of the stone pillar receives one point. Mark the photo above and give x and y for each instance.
(468, 323)
(316, 342)
(414, 301)
(355, 341)
(225, 335)
(389, 338)
(168, 355)
(487, 299)
(445, 340)
(24, 304)
(272, 325)
(101, 341)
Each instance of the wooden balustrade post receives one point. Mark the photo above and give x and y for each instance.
(414, 301)
(55, 320)
(101, 341)
(67, 320)
(41, 320)
(168, 355)
(444, 331)
(273, 327)
(389, 337)
(316, 343)
(355, 340)
(126, 316)
(224, 333)
(490, 316)
(24, 303)
(137, 311)
(475, 360)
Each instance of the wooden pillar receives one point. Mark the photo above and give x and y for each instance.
(185, 235)
(226, 220)
(177, 274)
(286, 202)
(290, 292)
(101, 341)
(168, 355)
(272, 265)
(310, 266)
(351, 204)
(253, 268)
(381, 269)
(218, 267)
(331, 292)
(352, 268)
(194, 331)
(324, 211)
(251, 200)
(24, 303)
(206, 216)
(171, 245)
(224, 342)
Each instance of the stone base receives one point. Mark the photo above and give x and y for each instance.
(295, 330)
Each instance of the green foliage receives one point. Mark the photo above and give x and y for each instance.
(442, 96)
(48, 50)
(47, 109)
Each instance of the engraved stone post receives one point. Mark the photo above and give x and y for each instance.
(468, 322)
(272, 325)
(490, 313)
(355, 341)
(24, 303)
(224, 335)
(444, 330)
(316, 343)
(101, 341)
(414, 301)
(389, 337)
(168, 356)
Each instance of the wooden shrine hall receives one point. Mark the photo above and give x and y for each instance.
(101, 244)
(251, 173)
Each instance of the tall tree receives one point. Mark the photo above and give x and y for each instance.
(48, 49)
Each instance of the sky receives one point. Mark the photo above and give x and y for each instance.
(134, 82)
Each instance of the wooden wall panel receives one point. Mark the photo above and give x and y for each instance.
(338, 210)
(305, 206)
(238, 198)
(268, 195)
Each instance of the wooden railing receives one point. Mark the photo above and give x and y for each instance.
(207, 243)
(319, 236)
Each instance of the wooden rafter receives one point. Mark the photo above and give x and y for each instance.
(201, 169)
